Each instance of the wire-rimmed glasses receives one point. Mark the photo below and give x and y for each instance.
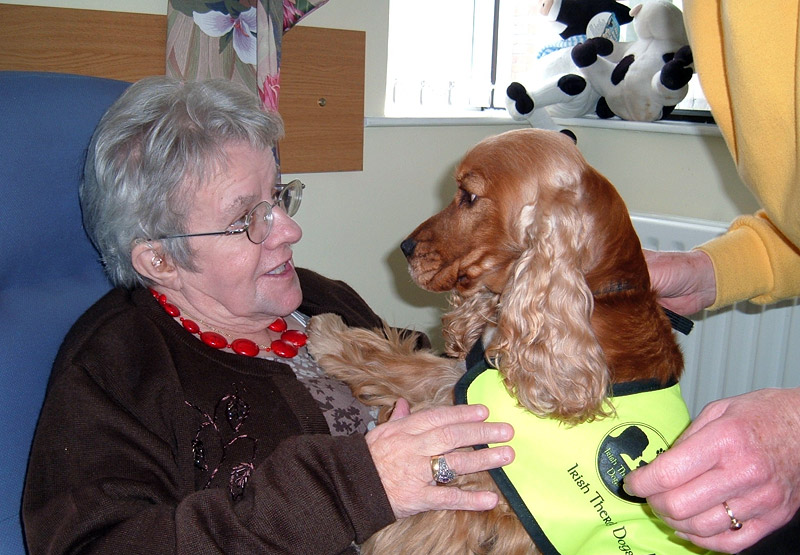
(258, 222)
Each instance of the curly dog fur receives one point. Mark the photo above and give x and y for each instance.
(541, 260)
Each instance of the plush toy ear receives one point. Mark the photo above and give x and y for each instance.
(545, 344)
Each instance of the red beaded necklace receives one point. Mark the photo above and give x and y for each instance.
(287, 346)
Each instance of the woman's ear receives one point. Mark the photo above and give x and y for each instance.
(149, 260)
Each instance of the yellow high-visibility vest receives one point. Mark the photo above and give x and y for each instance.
(565, 483)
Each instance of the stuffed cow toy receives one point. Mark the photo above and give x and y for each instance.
(640, 80)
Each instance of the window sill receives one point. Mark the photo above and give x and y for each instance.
(493, 118)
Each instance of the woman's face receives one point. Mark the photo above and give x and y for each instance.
(236, 282)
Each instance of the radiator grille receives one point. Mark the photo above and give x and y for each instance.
(734, 350)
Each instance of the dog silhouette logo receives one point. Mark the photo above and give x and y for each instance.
(624, 448)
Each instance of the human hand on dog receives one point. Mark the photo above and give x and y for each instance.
(685, 281)
(403, 446)
(743, 451)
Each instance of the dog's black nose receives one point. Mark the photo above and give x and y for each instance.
(408, 247)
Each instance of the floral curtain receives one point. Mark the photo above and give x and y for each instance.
(238, 40)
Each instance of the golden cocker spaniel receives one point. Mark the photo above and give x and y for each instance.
(543, 265)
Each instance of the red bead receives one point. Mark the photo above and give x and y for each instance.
(244, 347)
(171, 309)
(278, 325)
(295, 337)
(213, 339)
(162, 298)
(283, 349)
(190, 326)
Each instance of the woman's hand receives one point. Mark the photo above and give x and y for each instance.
(402, 449)
(743, 450)
(684, 281)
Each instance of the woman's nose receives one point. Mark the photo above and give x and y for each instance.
(284, 229)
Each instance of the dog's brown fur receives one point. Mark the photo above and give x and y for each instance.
(539, 247)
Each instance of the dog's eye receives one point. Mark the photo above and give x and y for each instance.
(466, 198)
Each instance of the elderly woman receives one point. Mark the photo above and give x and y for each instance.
(183, 413)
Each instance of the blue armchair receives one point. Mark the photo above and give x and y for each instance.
(49, 271)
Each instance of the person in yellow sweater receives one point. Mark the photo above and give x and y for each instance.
(734, 475)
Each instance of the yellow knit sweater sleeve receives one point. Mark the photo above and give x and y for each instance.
(746, 55)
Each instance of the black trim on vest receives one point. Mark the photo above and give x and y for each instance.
(476, 365)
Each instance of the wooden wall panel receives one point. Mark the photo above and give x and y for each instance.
(317, 64)
(115, 45)
(322, 100)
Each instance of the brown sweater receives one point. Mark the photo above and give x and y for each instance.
(151, 442)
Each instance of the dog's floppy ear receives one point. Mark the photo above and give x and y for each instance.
(545, 343)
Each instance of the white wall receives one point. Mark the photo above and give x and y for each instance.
(354, 221)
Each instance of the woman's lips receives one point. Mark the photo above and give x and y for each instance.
(280, 270)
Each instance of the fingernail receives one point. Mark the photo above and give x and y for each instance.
(626, 490)
(682, 536)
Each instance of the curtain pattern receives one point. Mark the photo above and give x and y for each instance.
(238, 40)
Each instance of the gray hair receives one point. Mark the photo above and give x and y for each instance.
(151, 150)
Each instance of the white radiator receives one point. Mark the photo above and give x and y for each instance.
(734, 350)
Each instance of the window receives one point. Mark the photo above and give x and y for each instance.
(448, 56)
(440, 55)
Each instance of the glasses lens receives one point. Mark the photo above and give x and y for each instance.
(290, 196)
(259, 222)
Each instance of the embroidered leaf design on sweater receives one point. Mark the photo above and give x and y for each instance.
(236, 411)
(239, 476)
(199, 452)
(233, 410)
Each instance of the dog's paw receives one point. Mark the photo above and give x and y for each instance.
(324, 335)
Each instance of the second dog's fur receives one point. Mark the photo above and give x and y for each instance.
(541, 259)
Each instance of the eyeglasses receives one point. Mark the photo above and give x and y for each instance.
(258, 222)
